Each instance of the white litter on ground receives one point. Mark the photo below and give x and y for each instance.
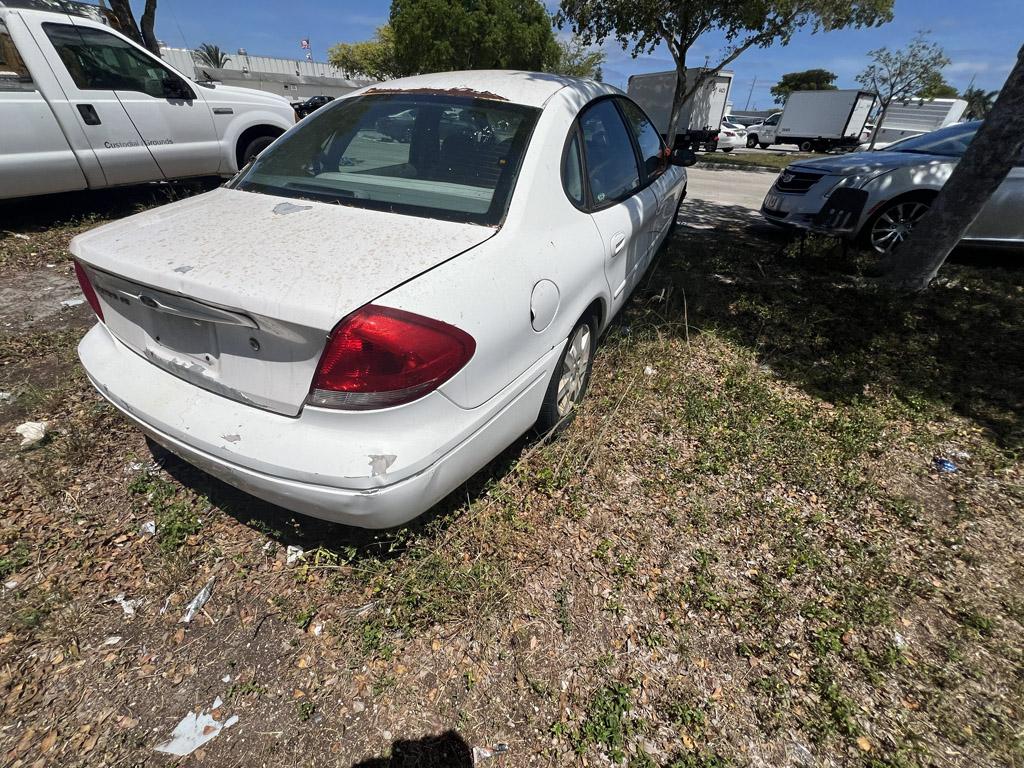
(194, 730)
(32, 432)
(197, 602)
(72, 302)
(294, 554)
(148, 528)
(129, 606)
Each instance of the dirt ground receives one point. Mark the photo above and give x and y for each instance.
(743, 552)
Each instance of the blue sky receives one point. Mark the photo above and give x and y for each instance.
(981, 37)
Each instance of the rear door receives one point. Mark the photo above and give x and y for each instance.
(173, 120)
(35, 157)
(1001, 218)
(621, 207)
(89, 79)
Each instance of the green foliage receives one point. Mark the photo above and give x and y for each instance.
(608, 724)
(640, 26)
(446, 35)
(375, 59)
(901, 74)
(210, 55)
(936, 87)
(576, 59)
(979, 102)
(808, 80)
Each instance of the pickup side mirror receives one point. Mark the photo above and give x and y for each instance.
(683, 156)
(174, 88)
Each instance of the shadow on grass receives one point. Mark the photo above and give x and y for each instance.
(448, 750)
(356, 544)
(47, 211)
(802, 310)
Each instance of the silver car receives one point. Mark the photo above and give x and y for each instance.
(878, 197)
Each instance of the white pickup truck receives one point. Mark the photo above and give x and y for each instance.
(83, 107)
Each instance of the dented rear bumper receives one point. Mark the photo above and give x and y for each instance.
(373, 469)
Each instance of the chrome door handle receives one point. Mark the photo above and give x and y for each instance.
(618, 243)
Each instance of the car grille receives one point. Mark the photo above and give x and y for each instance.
(796, 182)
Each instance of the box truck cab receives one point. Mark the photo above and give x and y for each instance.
(84, 107)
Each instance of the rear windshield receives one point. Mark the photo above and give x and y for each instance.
(437, 156)
(951, 141)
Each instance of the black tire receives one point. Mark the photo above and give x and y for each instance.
(751, 141)
(253, 148)
(727, 149)
(552, 417)
(903, 213)
(762, 145)
(806, 145)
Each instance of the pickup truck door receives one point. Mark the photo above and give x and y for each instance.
(173, 120)
(35, 157)
(89, 83)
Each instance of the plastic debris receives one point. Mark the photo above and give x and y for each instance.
(129, 606)
(944, 465)
(649, 371)
(294, 554)
(900, 640)
(112, 640)
(32, 432)
(956, 453)
(194, 730)
(72, 302)
(6, 397)
(148, 528)
(197, 602)
(12, 584)
(486, 753)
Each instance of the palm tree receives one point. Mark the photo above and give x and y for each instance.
(979, 102)
(210, 55)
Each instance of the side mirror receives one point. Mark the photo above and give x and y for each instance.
(684, 157)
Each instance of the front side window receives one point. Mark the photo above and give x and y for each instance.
(100, 61)
(773, 120)
(431, 155)
(14, 75)
(611, 163)
(652, 151)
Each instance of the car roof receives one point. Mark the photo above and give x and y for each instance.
(529, 88)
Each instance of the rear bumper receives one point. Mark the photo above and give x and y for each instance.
(369, 469)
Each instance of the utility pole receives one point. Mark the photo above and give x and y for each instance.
(750, 94)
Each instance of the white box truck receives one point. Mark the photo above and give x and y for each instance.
(913, 117)
(816, 121)
(84, 107)
(700, 117)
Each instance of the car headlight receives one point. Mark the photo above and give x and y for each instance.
(856, 181)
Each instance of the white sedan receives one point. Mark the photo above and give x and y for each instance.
(731, 136)
(355, 325)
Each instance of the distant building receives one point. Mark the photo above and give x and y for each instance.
(294, 79)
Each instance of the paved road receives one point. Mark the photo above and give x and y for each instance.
(728, 186)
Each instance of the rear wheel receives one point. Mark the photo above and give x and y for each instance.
(762, 145)
(727, 149)
(806, 145)
(572, 375)
(893, 223)
(751, 141)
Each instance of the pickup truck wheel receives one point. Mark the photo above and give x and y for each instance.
(253, 148)
(762, 145)
(569, 381)
(751, 141)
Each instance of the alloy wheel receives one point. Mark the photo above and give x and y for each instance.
(574, 370)
(895, 223)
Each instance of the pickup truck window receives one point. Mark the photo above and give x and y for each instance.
(100, 61)
(14, 75)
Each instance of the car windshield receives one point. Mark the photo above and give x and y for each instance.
(431, 155)
(950, 142)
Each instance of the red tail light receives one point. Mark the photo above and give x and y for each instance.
(88, 291)
(378, 357)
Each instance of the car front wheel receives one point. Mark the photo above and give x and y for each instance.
(893, 224)
(752, 141)
(572, 375)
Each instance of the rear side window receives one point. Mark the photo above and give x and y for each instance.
(14, 74)
(100, 61)
(652, 151)
(572, 171)
(611, 162)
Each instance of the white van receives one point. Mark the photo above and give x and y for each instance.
(83, 107)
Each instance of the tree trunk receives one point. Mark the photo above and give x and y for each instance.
(148, 23)
(677, 102)
(878, 126)
(122, 10)
(988, 159)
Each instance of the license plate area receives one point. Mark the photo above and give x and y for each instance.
(773, 201)
(172, 336)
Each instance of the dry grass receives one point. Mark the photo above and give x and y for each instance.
(741, 553)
